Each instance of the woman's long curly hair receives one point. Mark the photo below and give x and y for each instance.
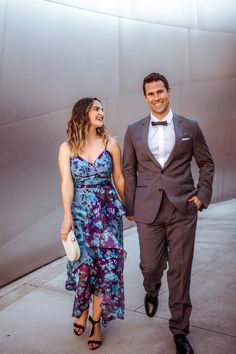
(79, 123)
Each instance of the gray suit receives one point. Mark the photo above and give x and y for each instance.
(158, 199)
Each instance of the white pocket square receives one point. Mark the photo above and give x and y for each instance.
(184, 139)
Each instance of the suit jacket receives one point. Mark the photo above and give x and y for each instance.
(145, 179)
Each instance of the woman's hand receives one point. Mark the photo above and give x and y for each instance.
(66, 226)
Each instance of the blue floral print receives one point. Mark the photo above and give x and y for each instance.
(97, 214)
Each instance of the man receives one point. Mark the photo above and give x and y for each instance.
(162, 199)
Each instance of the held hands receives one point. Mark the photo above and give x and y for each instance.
(130, 218)
(197, 201)
(66, 226)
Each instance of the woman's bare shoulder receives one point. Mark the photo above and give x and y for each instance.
(112, 142)
(113, 145)
(65, 148)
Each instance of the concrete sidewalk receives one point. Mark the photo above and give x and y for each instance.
(35, 310)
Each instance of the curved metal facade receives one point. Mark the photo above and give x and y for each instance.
(54, 52)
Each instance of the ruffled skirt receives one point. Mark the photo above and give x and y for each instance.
(97, 214)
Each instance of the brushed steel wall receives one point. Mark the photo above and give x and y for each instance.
(54, 52)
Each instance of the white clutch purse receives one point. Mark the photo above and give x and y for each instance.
(71, 247)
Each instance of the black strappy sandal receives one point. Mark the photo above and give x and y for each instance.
(91, 341)
(76, 325)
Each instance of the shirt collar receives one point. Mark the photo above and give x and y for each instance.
(168, 117)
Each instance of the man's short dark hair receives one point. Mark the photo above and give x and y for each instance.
(155, 77)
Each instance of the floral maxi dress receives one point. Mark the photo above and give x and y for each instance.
(97, 214)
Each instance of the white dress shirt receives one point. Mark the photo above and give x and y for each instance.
(161, 139)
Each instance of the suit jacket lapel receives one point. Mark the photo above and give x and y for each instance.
(178, 125)
(145, 128)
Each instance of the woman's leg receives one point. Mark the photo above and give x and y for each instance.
(95, 334)
(82, 297)
(97, 309)
(80, 322)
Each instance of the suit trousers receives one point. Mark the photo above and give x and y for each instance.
(169, 240)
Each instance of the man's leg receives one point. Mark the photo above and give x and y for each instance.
(180, 237)
(153, 255)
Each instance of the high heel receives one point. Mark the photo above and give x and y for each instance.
(91, 341)
(78, 326)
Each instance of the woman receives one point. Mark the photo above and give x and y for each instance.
(88, 162)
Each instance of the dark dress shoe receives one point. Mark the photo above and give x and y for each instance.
(151, 305)
(182, 344)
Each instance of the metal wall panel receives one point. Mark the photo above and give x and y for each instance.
(211, 104)
(53, 56)
(181, 13)
(124, 110)
(228, 182)
(212, 55)
(146, 47)
(209, 101)
(3, 10)
(217, 15)
(29, 173)
(234, 98)
(114, 7)
(37, 245)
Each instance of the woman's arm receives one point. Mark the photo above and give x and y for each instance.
(130, 173)
(118, 178)
(67, 188)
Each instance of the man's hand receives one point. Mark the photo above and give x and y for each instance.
(197, 201)
(130, 217)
